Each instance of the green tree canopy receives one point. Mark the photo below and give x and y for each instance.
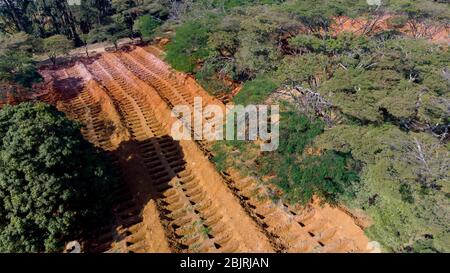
(189, 45)
(18, 67)
(57, 45)
(52, 181)
(146, 26)
(16, 62)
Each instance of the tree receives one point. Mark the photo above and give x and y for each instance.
(110, 33)
(432, 163)
(20, 41)
(261, 36)
(329, 176)
(92, 13)
(85, 38)
(57, 45)
(309, 68)
(16, 62)
(12, 13)
(41, 18)
(317, 16)
(52, 182)
(189, 46)
(404, 182)
(145, 26)
(19, 68)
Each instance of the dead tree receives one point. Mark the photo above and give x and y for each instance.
(431, 161)
(308, 102)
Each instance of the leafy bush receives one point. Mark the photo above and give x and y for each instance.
(302, 176)
(317, 15)
(212, 76)
(146, 26)
(188, 46)
(52, 181)
(255, 91)
(307, 69)
(393, 189)
(329, 176)
(16, 59)
(297, 132)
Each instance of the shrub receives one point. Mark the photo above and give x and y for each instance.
(255, 91)
(328, 176)
(146, 26)
(188, 46)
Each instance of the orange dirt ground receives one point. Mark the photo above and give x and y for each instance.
(171, 198)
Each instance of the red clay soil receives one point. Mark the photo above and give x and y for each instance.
(171, 198)
(432, 32)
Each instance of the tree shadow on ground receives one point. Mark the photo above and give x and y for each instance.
(146, 167)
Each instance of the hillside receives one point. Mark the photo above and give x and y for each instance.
(363, 90)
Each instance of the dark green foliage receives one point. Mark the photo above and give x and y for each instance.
(93, 12)
(297, 132)
(210, 79)
(52, 181)
(317, 15)
(18, 67)
(56, 46)
(256, 91)
(146, 25)
(328, 176)
(302, 176)
(39, 18)
(189, 46)
(308, 69)
(406, 192)
(112, 33)
(424, 246)
(344, 43)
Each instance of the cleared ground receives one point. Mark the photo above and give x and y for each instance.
(171, 198)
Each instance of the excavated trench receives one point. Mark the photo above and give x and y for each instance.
(171, 198)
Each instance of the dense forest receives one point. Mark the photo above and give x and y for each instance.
(365, 114)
